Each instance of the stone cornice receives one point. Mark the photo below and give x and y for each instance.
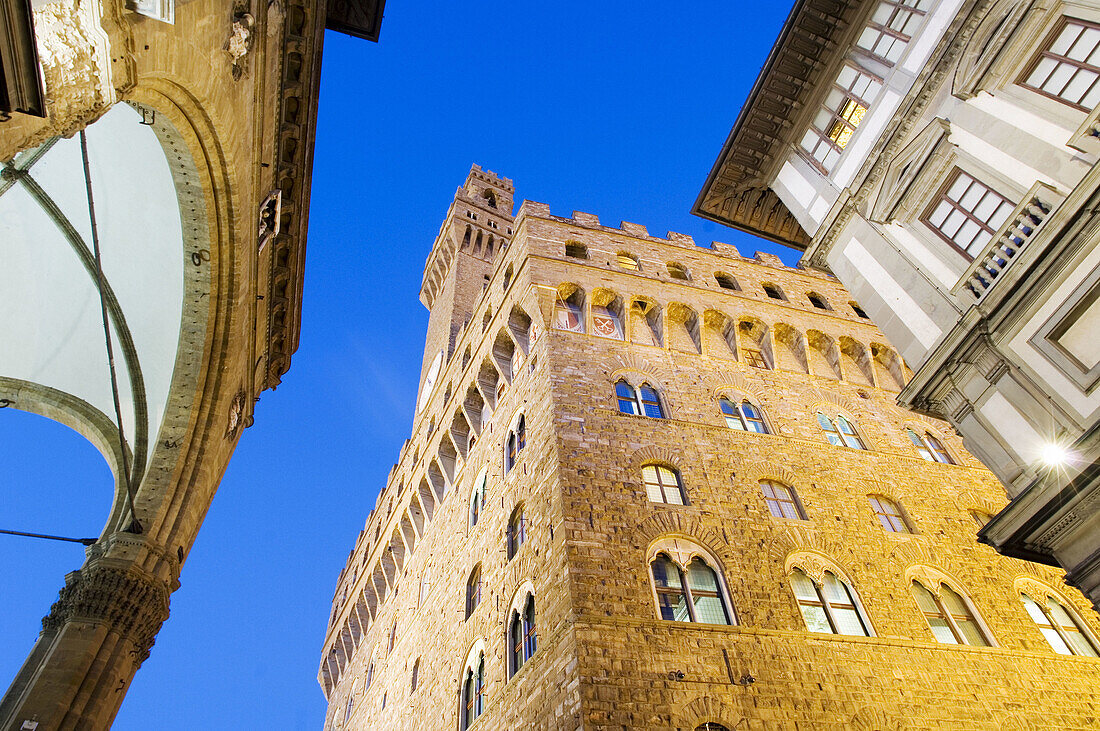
(736, 191)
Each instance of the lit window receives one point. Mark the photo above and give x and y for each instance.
(606, 323)
(743, 416)
(473, 693)
(1068, 67)
(678, 271)
(517, 532)
(522, 637)
(829, 607)
(891, 27)
(929, 447)
(694, 595)
(782, 501)
(841, 112)
(840, 432)
(627, 261)
(889, 514)
(662, 485)
(473, 591)
(948, 616)
(1058, 626)
(967, 213)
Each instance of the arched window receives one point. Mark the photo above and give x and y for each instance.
(725, 281)
(858, 310)
(691, 595)
(678, 271)
(627, 261)
(840, 432)
(517, 440)
(415, 676)
(743, 416)
(643, 401)
(817, 301)
(710, 726)
(889, 513)
(782, 500)
(473, 693)
(517, 531)
(522, 637)
(662, 485)
(473, 591)
(773, 291)
(948, 615)
(569, 312)
(477, 497)
(929, 447)
(1058, 625)
(829, 606)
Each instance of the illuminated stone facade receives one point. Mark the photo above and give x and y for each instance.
(550, 329)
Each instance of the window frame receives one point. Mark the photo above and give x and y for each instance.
(886, 30)
(738, 415)
(891, 522)
(948, 616)
(473, 693)
(677, 483)
(826, 604)
(941, 196)
(792, 499)
(516, 531)
(1055, 625)
(474, 585)
(676, 551)
(841, 435)
(1043, 51)
(825, 136)
(522, 639)
(929, 447)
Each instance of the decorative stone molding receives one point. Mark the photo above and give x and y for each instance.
(125, 599)
(757, 471)
(659, 455)
(872, 718)
(239, 43)
(668, 523)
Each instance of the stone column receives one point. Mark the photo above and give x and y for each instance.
(96, 636)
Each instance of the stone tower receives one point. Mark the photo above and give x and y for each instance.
(655, 485)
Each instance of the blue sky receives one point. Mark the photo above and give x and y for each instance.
(612, 108)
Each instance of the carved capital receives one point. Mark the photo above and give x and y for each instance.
(126, 600)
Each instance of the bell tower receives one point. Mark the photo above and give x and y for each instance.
(477, 229)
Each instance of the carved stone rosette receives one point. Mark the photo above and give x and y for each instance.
(128, 601)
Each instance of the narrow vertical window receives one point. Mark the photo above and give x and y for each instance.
(349, 708)
(841, 113)
(627, 398)
(706, 595)
(662, 485)
(530, 635)
(393, 637)
(781, 500)
(948, 616)
(966, 213)
(1068, 67)
(521, 433)
(522, 636)
(415, 675)
(517, 532)
(651, 402)
(1058, 626)
(889, 514)
(473, 693)
(473, 591)
(671, 597)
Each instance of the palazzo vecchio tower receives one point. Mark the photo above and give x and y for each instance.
(653, 485)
